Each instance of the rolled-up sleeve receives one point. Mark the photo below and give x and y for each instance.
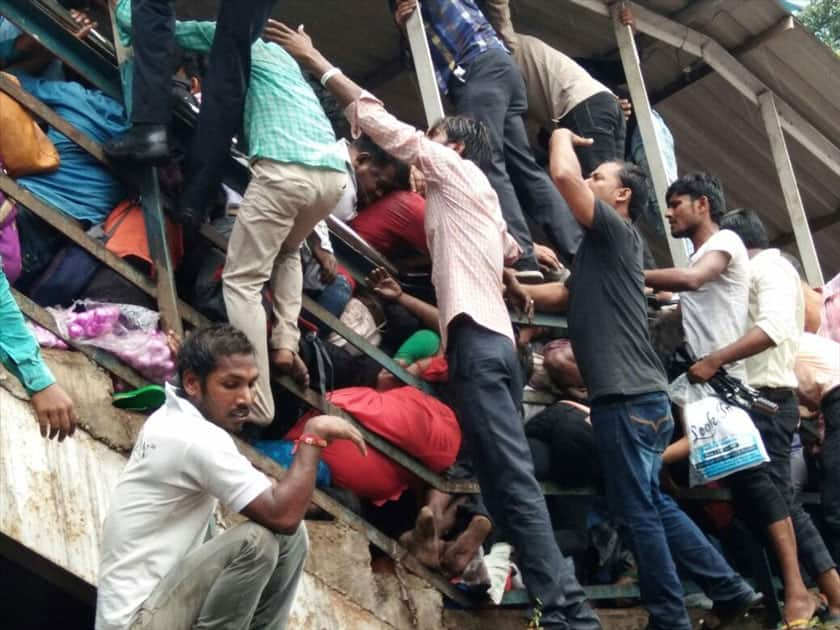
(19, 350)
(367, 115)
(776, 294)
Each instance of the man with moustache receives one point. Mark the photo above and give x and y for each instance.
(156, 571)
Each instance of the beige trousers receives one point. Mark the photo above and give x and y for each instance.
(281, 205)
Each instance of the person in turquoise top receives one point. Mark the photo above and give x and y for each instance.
(299, 173)
(20, 354)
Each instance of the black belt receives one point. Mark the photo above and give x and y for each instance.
(777, 393)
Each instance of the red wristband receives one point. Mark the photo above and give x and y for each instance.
(311, 439)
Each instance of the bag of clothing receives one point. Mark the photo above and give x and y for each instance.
(722, 437)
(25, 148)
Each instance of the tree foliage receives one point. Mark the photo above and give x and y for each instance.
(822, 17)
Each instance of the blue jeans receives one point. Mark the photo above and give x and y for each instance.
(334, 296)
(630, 434)
(487, 385)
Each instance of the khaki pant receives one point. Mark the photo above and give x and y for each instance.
(244, 579)
(280, 208)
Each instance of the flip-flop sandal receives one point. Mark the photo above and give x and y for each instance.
(146, 398)
(800, 624)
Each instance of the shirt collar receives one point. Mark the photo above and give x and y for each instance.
(178, 404)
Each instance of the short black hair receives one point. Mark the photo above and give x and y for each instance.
(204, 346)
(748, 225)
(635, 178)
(697, 185)
(381, 158)
(478, 147)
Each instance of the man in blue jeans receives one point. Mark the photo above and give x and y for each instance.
(630, 411)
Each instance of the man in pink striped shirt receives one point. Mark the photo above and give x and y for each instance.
(470, 245)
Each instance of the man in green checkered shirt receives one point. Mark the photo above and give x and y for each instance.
(299, 173)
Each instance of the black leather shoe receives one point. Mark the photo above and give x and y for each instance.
(145, 144)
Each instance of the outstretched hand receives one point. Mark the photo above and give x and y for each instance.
(296, 42)
(333, 428)
(384, 284)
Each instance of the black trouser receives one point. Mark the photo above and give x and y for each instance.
(831, 468)
(599, 117)
(239, 24)
(487, 384)
(494, 93)
(777, 433)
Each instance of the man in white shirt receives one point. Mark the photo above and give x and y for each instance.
(714, 299)
(156, 570)
(769, 348)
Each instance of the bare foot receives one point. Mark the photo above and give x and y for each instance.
(799, 607)
(460, 551)
(289, 363)
(423, 541)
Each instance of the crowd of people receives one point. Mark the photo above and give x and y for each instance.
(527, 198)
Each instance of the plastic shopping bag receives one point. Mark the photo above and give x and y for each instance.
(722, 437)
(127, 331)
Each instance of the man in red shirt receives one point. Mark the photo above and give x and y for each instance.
(394, 224)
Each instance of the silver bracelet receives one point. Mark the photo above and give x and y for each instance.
(329, 74)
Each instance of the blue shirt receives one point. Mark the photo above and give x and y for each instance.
(19, 350)
(457, 32)
(81, 187)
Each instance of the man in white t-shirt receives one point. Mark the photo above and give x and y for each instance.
(156, 570)
(714, 299)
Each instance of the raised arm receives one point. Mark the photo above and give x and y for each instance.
(567, 176)
(365, 112)
(708, 268)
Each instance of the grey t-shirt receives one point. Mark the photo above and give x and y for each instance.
(608, 313)
(717, 313)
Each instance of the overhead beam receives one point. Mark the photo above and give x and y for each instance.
(790, 190)
(817, 225)
(650, 140)
(700, 69)
(730, 69)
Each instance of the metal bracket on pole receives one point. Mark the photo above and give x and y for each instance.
(790, 189)
(416, 31)
(641, 105)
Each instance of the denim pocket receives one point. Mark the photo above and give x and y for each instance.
(651, 422)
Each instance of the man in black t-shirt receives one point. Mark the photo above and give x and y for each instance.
(630, 410)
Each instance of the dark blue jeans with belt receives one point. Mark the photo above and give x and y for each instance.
(487, 386)
(631, 432)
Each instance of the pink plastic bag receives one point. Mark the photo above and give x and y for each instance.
(129, 332)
